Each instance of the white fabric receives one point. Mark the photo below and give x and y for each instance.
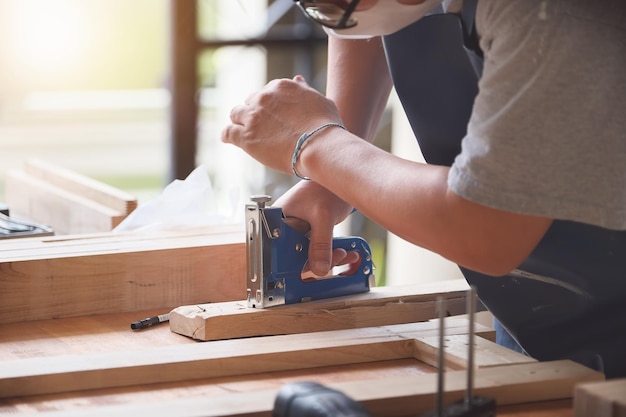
(384, 18)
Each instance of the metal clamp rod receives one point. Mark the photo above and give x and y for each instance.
(441, 311)
(471, 309)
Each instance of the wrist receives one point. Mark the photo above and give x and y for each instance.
(302, 142)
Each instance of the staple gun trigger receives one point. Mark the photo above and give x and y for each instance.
(276, 254)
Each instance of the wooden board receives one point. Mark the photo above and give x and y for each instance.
(66, 213)
(96, 244)
(398, 396)
(207, 388)
(601, 399)
(220, 389)
(82, 185)
(381, 306)
(83, 335)
(33, 376)
(87, 338)
(68, 202)
(54, 277)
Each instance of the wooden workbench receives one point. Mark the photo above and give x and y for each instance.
(66, 347)
(67, 302)
(109, 333)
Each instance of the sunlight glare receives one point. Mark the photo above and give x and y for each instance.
(49, 36)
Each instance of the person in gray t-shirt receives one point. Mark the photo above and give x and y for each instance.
(547, 135)
(518, 107)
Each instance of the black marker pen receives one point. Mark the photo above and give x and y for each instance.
(149, 321)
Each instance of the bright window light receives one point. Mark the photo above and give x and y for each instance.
(48, 35)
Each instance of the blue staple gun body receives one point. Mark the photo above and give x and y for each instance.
(277, 253)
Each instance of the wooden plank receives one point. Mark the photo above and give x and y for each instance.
(67, 213)
(380, 306)
(111, 332)
(398, 396)
(83, 335)
(208, 388)
(601, 399)
(66, 373)
(220, 387)
(488, 353)
(82, 185)
(91, 244)
(118, 275)
(65, 200)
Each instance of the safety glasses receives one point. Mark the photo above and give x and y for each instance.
(334, 14)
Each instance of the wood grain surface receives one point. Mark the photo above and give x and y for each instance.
(90, 336)
(80, 275)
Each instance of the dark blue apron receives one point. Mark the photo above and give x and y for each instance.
(568, 299)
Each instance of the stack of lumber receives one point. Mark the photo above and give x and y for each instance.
(78, 275)
(68, 202)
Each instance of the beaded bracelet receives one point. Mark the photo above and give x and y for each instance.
(301, 141)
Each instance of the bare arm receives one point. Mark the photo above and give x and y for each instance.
(409, 199)
(413, 201)
(359, 83)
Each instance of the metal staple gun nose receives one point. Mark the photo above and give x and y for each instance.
(277, 253)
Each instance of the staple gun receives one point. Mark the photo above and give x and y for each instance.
(277, 253)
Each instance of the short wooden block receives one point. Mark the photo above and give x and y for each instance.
(601, 399)
(381, 306)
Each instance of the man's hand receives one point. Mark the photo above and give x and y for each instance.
(314, 211)
(269, 123)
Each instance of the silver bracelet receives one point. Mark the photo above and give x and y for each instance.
(301, 141)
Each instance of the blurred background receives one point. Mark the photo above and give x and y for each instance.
(85, 84)
(134, 93)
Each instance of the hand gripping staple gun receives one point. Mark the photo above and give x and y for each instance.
(277, 253)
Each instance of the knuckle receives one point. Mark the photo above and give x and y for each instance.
(233, 113)
(255, 116)
(321, 247)
(228, 135)
(264, 98)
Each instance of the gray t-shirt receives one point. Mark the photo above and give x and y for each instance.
(547, 135)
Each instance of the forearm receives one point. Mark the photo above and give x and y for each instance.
(412, 200)
(359, 83)
(409, 199)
